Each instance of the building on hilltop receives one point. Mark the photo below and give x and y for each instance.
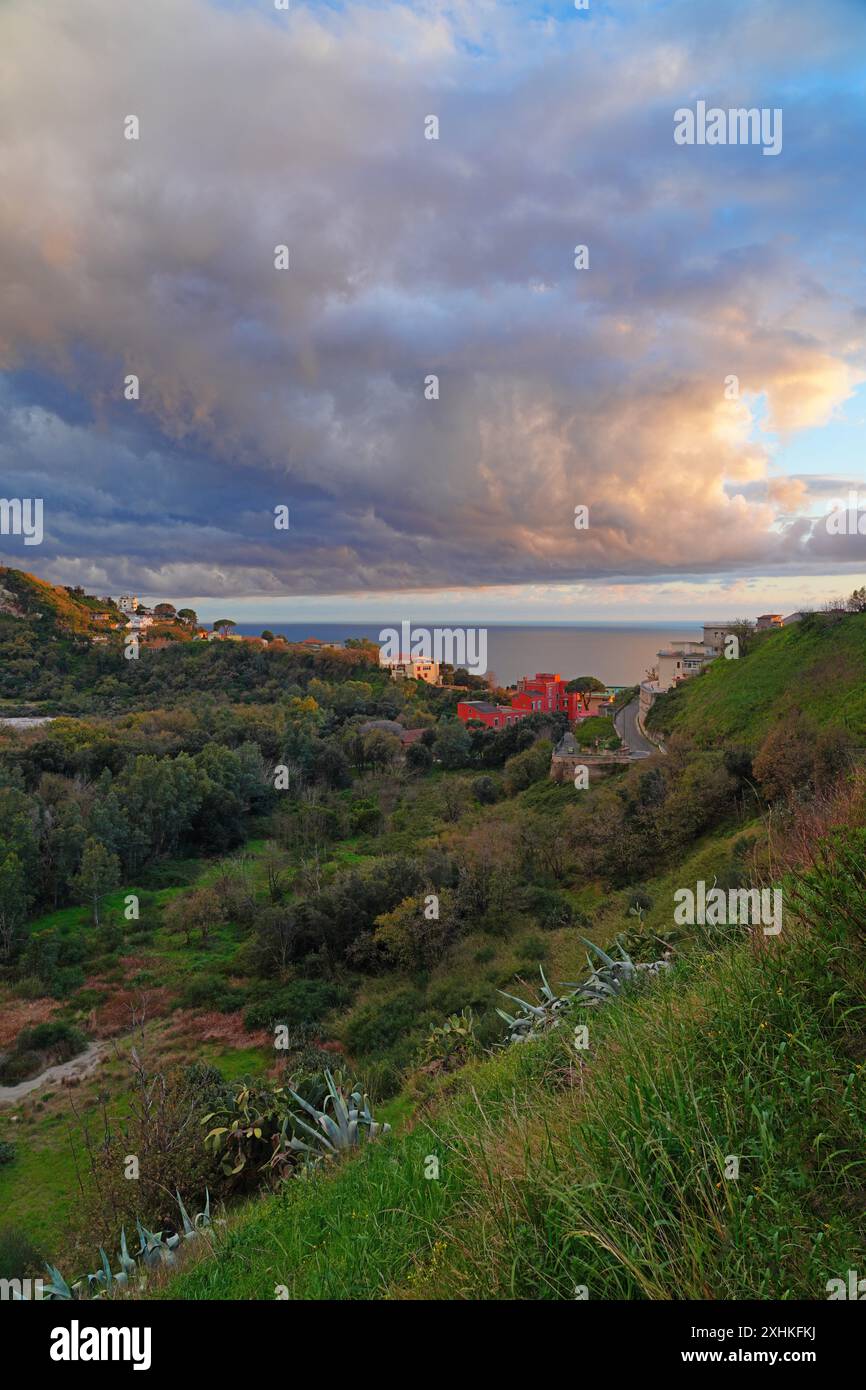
(405, 667)
(715, 634)
(679, 661)
(769, 620)
(139, 622)
(315, 644)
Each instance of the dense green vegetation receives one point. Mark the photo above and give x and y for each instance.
(230, 894)
(611, 1169)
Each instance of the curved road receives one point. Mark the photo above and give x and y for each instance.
(625, 724)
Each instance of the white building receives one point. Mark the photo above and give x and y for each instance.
(127, 603)
(714, 636)
(681, 660)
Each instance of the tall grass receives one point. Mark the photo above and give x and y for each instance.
(612, 1169)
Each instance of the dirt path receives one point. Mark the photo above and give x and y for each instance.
(80, 1066)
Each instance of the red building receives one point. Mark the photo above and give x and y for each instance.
(494, 716)
(543, 693)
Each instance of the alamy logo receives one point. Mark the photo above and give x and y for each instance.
(76, 1343)
(22, 516)
(736, 907)
(24, 1289)
(738, 126)
(855, 1289)
(847, 518)
(464, 647)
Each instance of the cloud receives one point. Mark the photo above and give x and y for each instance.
(410, 257)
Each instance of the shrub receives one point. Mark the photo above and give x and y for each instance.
(365, 816)
(419, 757)
(303, 1003)
(30, 987)
(453, 1042)
(532, 949)
(527, 767)
(551, 909)
(382, 1078)
(19, 1257)
(375, 1028)
(212, 992)
(20, 1066)
(60, 1039)
(7, 1152)
(485, 790)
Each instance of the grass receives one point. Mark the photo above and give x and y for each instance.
(816, 667)
(611, 1169)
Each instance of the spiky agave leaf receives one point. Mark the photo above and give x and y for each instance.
(203, 1217)
(188, 1227)
(314, 1134)
(336, 1097)
(127, 1263)
(608, 960)
(58, 1288)
(530, 1008)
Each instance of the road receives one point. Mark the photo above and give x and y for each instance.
(625, 724)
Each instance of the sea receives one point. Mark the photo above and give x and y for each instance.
(618, 654)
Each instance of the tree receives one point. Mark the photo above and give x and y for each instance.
(62, 842)
(485, 790)
(381, 749)
(412, 939)
(196, 911)
(784, 760)
(188, 616)
(222, 625)
(165, 612)
(267, 635)
(586, 686)
(744, 631)
(99, 873)
(419, 758)
(527, 767)
(452, 744)
(14, 902)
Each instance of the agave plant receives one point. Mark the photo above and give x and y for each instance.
(156, 1250)
(347, 1127)
(535, 1018)
(605, 982)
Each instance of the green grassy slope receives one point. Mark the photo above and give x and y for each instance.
(817, 667)
(611, 1169)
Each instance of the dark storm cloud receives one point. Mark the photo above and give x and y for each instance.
(411, 257)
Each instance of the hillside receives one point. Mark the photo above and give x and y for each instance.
(57, 657)
(218, 938)
(55, 609)
(816, 667)
(607, 1173)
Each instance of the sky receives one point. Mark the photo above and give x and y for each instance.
(699, 386)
